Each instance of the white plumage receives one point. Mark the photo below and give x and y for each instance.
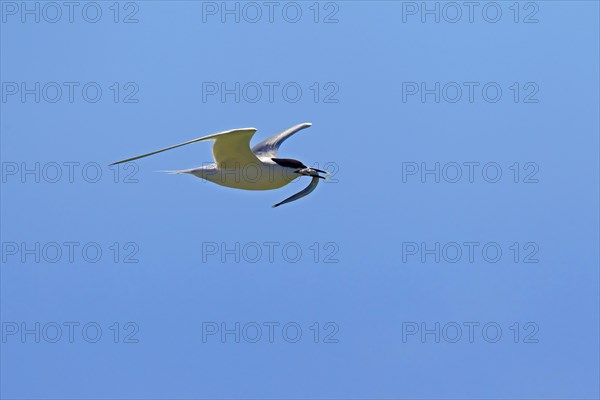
(241, 167)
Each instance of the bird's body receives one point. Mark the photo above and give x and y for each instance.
(241, 167)
(264, 174)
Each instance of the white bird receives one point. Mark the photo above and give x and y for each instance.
(237, 166)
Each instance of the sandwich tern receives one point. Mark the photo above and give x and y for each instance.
(241, 167)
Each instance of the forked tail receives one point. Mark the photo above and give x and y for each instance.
(177, 172)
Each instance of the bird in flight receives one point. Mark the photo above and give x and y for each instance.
(241, 167)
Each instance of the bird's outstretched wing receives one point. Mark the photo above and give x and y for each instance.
(231, 148)
(306, 191)
(269, 146)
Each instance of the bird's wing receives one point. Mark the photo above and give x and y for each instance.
(306, 191)
(231, 148)
(269, 146)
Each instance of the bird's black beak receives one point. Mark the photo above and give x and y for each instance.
(312, 172)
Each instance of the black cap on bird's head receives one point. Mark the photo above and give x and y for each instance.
(299, 167)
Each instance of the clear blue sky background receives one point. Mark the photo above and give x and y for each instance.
(371, 293)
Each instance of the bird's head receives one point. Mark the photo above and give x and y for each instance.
(299, 168)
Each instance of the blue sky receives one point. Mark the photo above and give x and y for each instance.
(454, 255)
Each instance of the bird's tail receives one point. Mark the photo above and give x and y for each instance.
(176, 172)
